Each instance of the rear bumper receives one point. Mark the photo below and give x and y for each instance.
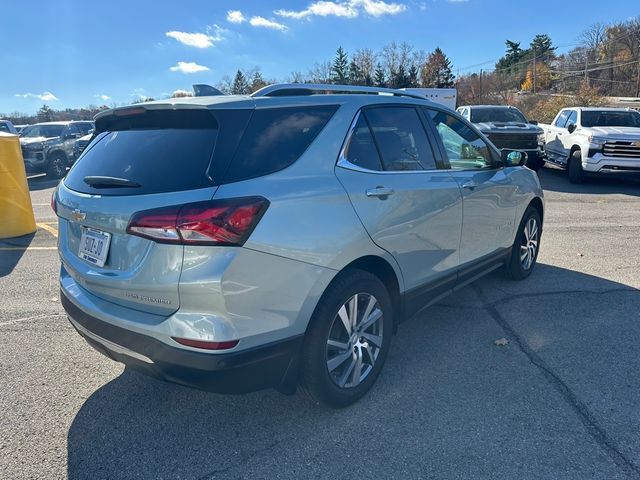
(271, 365)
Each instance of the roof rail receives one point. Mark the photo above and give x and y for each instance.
(290, 89)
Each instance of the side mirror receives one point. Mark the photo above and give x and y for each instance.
(571, 127)
(533, 122)
(513, 158)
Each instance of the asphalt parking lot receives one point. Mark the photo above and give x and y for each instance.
(560, 400)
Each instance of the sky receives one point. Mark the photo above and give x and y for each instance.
(69, 53)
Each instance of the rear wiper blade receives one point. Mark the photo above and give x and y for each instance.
(109, 182)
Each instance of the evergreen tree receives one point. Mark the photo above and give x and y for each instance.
(379, 77)
(436, 72)
(355, 74)
(340, 67)
(257, 82)
(45, 114)
(413, 76)
(240, 85)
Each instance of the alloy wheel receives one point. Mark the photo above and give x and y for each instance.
(529, 244)
(355, 340)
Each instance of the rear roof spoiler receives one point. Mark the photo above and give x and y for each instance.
(204, 90)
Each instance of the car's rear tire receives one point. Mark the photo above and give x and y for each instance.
(57, 166)
(574, 168)
(347, 340)
(526, 246)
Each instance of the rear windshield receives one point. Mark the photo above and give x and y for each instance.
(168, 151)
(482, 115)
(161, 152)
(610, 119)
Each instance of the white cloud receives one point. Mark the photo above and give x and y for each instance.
(198, 40)
(345, 9)
(377, 8)
(103, 97)
(457, 1)
(235, 16)
(188, 67)
(266, 23)
(44, 96)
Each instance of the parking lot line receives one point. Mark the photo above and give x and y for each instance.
(53, 231)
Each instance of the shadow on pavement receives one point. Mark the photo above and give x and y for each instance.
(11, 251)
(557, 180)
(41, 182)
(449, 400)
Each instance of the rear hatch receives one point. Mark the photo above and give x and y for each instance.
(141, 158)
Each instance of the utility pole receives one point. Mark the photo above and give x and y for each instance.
(534, 70)
(586, 66)
(480, 99)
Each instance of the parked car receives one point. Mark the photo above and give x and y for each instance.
(277, 239)
(7, 127)
(48, 147)
(444, 96)
(594, 141)
(507, 127)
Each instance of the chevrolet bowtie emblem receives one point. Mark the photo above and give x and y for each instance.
(77, 215)
(636, 144)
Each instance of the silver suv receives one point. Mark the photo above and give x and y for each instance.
(235, 243)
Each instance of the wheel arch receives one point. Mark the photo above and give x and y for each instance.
(538, 205)
(55, 151)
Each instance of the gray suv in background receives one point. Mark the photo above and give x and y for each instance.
(49, 147)
(234, 243)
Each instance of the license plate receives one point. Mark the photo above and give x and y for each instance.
(94, 246)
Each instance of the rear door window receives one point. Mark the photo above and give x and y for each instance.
(160, 151)
(275, 138)
(401, 139)
(361, 149)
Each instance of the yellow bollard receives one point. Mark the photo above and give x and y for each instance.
(16, 211)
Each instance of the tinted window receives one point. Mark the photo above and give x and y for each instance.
(562, 119)
(84, 127)
(160, 160)
(401, 139)
(481, 115)
(4, 127)
(275, 138)
(572, 119)
(465, 149)
(610, 118)
(72, 130)
(43, 131)
(361, 149)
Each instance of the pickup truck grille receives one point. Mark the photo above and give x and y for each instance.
(622, 149)
(516, 141)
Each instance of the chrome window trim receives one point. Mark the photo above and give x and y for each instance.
(346, 164)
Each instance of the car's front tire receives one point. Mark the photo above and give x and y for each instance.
(526, 246)
(57, 166)
(347, 340)
(575, 167)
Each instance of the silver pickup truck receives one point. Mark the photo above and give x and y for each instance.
(594, 141)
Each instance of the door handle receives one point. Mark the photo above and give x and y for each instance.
(470, 185)
(379, 192)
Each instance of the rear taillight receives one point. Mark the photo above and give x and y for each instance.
(212, 222)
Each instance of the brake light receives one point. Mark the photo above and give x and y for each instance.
(206, 345)
(212, 222)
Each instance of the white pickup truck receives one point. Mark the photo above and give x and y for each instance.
(594, 140)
